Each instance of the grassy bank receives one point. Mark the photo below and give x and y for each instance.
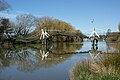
(107, 68)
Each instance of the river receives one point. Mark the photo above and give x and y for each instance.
(28, 63)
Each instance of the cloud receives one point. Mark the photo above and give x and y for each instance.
(12, 14)
(2, 14)
(21, 12)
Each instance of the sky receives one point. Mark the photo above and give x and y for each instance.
(79, 13)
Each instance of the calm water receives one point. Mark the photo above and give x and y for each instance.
(43, 62)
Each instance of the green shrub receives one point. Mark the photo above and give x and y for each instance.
(107, 68)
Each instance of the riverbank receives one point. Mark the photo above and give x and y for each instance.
(37, 60)
(105, 67)
(113, 37)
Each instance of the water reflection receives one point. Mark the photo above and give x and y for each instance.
(66, 48)
(44, 54)
(43, 62)
(113, 47)
(27, 59)
(93, 52)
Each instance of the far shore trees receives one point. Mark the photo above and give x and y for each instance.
(25, 24)
(119, 26)
(4, 25)
(61, 30)
(52, 25)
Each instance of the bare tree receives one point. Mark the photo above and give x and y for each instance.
(25, 23)
(4, 5)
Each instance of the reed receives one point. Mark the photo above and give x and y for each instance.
(80, 71)
(107, 68)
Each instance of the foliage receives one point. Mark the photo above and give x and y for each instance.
(112, 60)
(113, 37)
(59, 28)
(119, 26)
(52, 24)
(80, 71)
(4, 25)
(108, 68)
(25, 24)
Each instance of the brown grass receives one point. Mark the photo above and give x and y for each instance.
(108, 68)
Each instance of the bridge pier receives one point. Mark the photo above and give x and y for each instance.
(95, 44)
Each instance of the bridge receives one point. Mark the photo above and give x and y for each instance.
(43, 34)
(96, 32)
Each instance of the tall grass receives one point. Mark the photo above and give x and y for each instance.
(80, 71)
(107, 68)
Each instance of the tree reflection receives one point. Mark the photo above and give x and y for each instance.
(10, 57)
(113, 47)
(65, 48)
(27, 59)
